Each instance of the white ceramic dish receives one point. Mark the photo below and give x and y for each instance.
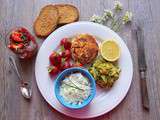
(105, 100)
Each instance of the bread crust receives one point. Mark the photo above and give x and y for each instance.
(47, 21)
(67, 13)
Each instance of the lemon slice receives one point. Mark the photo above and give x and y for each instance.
(110, 50)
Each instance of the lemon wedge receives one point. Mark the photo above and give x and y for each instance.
(110, 50)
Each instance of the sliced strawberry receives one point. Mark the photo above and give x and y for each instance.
(26, 35)
(15, 46)
(16, 37)
(66, 65)
(63, 41)
(15, 33)
(66, 54)
(53, 70)
(23, 30)
(66, 43)
(55, 59)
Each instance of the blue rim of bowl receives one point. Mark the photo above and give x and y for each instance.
(69, 71)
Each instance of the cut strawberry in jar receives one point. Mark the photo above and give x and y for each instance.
(22, 43)
(15, 46)
(16, 37)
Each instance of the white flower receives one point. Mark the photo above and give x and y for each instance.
(105, 17)
(127, 17)
(97, 19)
(118, 6)
(108, 13)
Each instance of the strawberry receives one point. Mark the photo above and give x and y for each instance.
(66, 54)
(66, 65)
(15, 47)
(16, 37)
(55, 59)
(23, 30)
(53, 70)
(66, 43)
(26, 34)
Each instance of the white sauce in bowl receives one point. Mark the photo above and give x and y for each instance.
(75, 88)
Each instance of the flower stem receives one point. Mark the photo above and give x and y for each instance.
(118, 27)
(113, 20)
(115, 23)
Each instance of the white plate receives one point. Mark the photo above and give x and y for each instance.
(105, 100)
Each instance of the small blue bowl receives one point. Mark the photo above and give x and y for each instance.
(67, 72)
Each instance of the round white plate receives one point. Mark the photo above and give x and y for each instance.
(105, 100)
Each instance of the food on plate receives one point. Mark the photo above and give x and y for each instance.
(110, 50)
(75, 88)
(61, 60)
(66, 54)
(65, 65)
(47, 21)
(66, 43)
(105, 73)
(84, 48)
(53, 70)
(55, 59)
(67, 13)
(22, 43)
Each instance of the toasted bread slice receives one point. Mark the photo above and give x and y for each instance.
(67, 13)
(47, 21)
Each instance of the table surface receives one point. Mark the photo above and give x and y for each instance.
(23, 13)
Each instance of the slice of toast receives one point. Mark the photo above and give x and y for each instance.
(47, 21)
(67, 13)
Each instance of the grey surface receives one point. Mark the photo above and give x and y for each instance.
(23, 13)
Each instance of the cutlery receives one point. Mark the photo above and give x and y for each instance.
(142, 68)
(24, 86)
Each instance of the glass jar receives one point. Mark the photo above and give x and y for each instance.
(22, 43)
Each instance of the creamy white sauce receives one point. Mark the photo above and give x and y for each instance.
(75, 88)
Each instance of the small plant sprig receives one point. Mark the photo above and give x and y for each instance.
(113, 18)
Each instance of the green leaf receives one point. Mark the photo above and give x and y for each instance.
(50, 68)
(63, 60)
(23, 37)
(62, 48)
